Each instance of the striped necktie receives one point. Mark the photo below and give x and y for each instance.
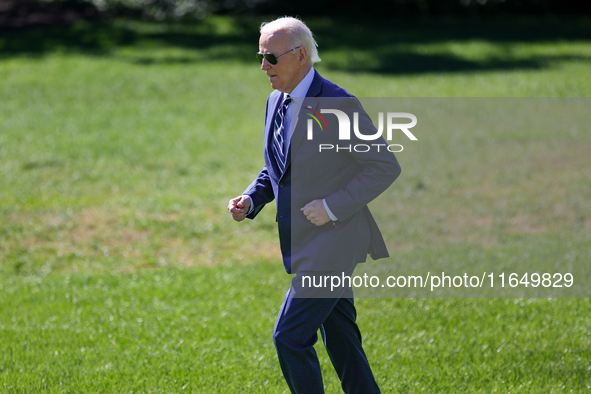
(279, 145)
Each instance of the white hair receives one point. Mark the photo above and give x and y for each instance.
(299, 34)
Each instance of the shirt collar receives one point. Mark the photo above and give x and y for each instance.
(302, 88)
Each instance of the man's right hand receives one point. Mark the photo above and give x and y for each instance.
(239, 207)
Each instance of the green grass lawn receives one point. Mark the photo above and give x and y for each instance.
(121, 271)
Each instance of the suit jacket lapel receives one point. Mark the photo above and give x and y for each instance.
(310, 101)
(300, 130)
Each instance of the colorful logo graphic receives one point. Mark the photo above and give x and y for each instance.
(316, 118)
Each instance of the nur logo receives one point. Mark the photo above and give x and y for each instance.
(345, 129)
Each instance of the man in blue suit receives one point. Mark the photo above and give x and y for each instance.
(325, 226)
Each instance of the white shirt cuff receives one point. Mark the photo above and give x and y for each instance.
(330, 214)
(251, 205)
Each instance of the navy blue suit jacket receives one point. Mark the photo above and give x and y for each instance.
(348, 180)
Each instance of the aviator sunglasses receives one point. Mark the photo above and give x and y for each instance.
(272, 58)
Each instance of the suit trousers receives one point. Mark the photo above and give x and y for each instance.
(301, 316)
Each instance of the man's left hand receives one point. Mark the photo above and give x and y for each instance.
(316, 213)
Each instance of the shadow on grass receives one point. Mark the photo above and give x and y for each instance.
(97, 38)
(413, 63)
(379, 46)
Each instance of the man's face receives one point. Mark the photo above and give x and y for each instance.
(285, 75)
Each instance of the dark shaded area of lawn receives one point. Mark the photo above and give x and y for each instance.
(16, 14)
(383, 43)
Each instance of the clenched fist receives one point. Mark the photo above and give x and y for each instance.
(239, 207)
(316, 213)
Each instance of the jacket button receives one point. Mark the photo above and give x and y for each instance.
(281, 184)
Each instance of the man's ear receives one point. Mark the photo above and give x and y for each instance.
(302, 55)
